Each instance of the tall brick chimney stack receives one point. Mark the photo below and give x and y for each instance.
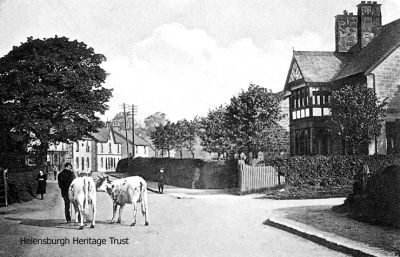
(345, 31)
(369, 21)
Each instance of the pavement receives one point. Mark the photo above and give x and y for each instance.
(277, 220)
(326, 239)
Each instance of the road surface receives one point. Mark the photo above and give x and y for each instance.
(220, 225)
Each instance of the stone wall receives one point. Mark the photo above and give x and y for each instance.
(387, 85)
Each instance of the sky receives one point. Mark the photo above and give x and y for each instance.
(183, 57)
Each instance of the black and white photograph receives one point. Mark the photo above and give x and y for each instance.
(199, 128)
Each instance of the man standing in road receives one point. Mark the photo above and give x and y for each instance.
(65, 179)
(161, 181)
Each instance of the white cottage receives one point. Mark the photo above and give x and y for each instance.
(106, 150)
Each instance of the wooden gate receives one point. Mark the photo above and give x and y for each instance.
(252, 178)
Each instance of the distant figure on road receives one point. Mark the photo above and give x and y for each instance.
(161, 181)
(65, 179)
(55, 172)
(41, 188)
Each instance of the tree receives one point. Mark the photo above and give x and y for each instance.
(189, 132)
(249, 117)
(179, 139)
(356, 115)
(154, 120)
(163, 138)
(51, 91)
(213, 132)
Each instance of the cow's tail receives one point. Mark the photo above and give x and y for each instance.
(86, 195)
(143, 199)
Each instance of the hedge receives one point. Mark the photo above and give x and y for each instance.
(182, 172)
(327, 171)
(22, 185)
(376, 197)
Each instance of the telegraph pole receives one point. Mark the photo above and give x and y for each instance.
(126, 135)
(133, 131)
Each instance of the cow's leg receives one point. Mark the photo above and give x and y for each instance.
(76, 210)
(134, 214)
(114, 212)
(121, 207)
(145, 209)
(94, 214)
(80, 207)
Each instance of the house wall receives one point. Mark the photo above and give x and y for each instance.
(140, 150)
(57, 155)
(387, 86)
(108, 154)
(82, 154)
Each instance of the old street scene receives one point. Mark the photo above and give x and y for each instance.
(200, 128)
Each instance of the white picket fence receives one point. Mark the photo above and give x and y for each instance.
(252, 178)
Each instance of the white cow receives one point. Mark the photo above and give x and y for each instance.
(130, 190)
(82, 192)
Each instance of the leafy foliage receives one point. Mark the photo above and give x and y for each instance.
(379, 201)
(179, 136)
(355, 117)
(249, 116)
(189, 132)
(154, 120)
(51, 90)
(328, 170)
(213, 133)
(161, 138)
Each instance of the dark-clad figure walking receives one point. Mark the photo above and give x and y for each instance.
(55, 171)
(65, 179)
(161, 181)
(41, 188)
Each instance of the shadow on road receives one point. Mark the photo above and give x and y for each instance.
(20, 210)
(50, 223)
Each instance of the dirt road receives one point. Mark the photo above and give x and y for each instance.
(224, 225)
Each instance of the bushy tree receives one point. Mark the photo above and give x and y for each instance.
(249, 117)
(189, 132)
(156, 119)
(179, 138)
(213, 132)
(51, 90)
(356, 115)
(163, 138)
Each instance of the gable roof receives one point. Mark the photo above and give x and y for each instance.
(382, 45)
(120, 138)
(102, 135)
(319, 66)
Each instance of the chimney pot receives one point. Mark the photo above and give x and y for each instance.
(368, 2)
(351, 13)
(345, 12)
(363, 2)
(374, 2)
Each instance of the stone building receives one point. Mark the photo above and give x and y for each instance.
(366, 53)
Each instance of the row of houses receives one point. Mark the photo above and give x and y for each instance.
(100, 151)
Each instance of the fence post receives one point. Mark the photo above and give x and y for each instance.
(279, 176)
(5, 186)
